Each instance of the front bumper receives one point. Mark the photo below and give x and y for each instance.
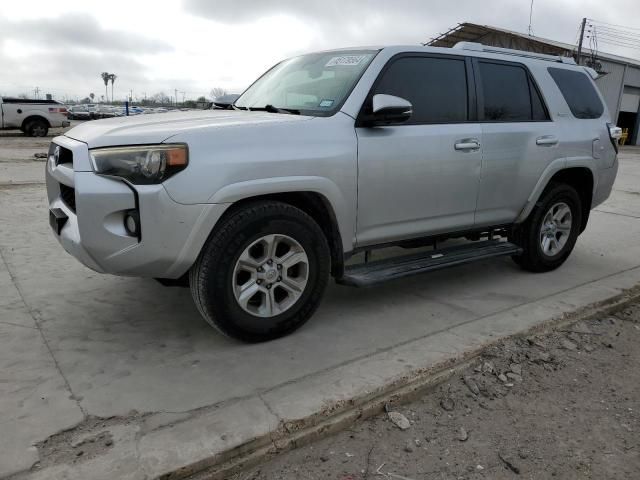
(171, 234)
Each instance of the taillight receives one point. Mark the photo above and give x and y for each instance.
(614, 135)
(58, 110)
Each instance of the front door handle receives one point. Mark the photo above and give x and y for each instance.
(467, 144)
(547, 140)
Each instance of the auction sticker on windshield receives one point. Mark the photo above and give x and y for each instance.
(346, 60)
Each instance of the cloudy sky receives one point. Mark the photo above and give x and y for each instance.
(195, 45)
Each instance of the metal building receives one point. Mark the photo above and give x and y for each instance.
(619, 79)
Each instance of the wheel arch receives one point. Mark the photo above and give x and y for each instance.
(33, 117)
(314, 204)
(578, 174)
(582, 180)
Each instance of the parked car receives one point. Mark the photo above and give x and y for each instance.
(32, 117)
(334, 153)
(78, 112)
(105, 111)
(93, 111)
(225, 101)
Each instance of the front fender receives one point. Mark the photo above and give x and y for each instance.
(235, 192)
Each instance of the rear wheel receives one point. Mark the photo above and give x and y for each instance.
(37, 128)
(550, 233)
(262, 273)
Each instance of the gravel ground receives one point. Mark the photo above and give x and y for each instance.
(563, 405)
(18, 163)
(16, 146)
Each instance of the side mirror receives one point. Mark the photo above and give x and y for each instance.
(389, 110)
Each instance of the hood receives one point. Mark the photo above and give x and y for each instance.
(158, 127)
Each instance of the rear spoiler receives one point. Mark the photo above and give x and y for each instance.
(592, 73)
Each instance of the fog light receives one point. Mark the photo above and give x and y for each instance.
(132, 223)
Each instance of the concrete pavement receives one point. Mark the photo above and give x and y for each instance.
(132, 360)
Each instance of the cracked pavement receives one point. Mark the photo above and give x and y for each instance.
(79, 350)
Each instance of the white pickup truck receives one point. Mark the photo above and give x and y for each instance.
(33, 117)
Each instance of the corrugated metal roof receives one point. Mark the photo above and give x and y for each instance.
(471, 32)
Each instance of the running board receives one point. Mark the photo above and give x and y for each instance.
(372, 273)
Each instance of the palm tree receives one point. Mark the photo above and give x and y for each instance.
(105, 78)
(112, 77)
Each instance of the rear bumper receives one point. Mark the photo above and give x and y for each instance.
(171, 234)
(606, 179)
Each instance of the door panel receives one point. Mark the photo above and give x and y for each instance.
(421, 177)
(513, 162)
(519, 141)
(10, 116)
(413, 182)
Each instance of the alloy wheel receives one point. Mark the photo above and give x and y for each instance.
(270, 275)
(555, 229)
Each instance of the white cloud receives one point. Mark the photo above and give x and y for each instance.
(194, 45)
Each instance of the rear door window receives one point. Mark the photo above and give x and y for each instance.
(508, 94)
(579, 92)
(436, 87)
(538, 109)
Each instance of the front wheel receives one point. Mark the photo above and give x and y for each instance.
(548, 236)
(262, 273)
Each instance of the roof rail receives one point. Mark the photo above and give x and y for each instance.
(479, 47)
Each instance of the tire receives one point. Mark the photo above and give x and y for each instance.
(37, 128)
(219, 274)
(559, 208)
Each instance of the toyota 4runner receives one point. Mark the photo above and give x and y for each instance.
(334, 153)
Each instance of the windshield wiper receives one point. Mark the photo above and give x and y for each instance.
(271, 109)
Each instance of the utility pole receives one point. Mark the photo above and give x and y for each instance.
(36, 92)
(175, 90)
(582, 26)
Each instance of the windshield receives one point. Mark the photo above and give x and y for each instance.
(315, 84)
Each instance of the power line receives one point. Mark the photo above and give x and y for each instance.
(614, 24)
(616, 30)
(618, 39)
(632, 47)
(613, 35)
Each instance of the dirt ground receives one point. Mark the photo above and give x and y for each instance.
(564, 405)
(15, 145)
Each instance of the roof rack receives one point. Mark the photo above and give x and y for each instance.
(479, 47)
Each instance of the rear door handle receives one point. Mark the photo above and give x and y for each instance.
(467, 144)
(547, 140)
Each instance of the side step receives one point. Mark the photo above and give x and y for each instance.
(372, 273)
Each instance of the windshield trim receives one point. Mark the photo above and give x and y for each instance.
(313, 112)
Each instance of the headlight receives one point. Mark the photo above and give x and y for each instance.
(141, 165)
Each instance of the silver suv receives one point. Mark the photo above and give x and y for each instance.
(460, 154)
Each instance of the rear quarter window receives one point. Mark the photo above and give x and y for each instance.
(579, 93)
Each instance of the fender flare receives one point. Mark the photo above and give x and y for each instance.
(235, 192)
(548, 173)
(32, 115)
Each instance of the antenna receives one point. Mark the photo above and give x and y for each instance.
(530, 14)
